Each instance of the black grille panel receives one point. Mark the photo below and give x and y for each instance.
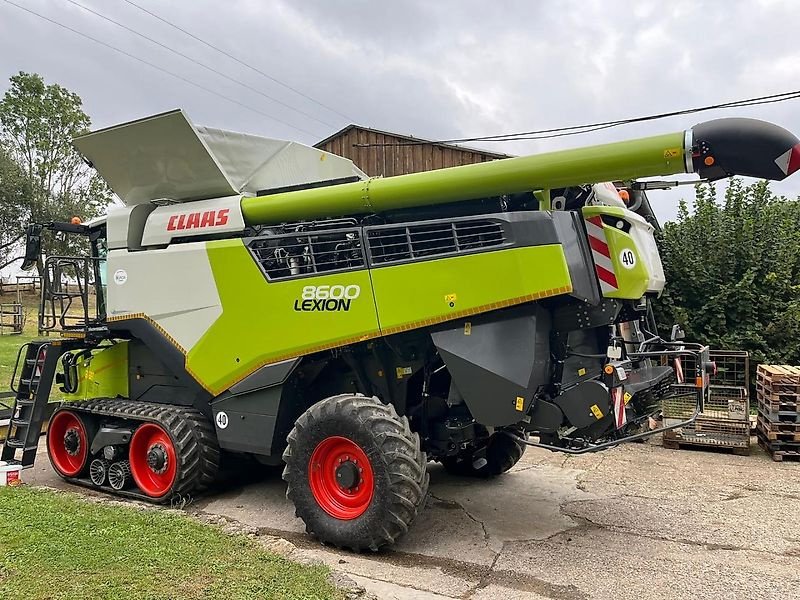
(420, 241)
(297, 254)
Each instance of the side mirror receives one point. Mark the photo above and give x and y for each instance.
(677, 333)
(33, 246)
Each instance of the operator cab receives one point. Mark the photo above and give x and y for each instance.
(73, 287)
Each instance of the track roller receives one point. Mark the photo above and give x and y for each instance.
(119, 475)
(98, 471)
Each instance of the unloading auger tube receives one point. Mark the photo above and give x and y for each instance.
(713, 149)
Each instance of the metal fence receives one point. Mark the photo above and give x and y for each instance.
(724, 421)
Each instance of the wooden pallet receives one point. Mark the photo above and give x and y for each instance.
(778, 382)
(778, 403)
(778, 392)
(784, 432)
(768, 425)
(778, 374)
(673, 444)
(778, 452)
(778, 416)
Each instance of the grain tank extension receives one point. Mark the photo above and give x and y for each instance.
(264, 298)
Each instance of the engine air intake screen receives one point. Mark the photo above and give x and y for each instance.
(297, 254)
(414, 242)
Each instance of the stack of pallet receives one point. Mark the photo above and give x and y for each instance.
(778, 393)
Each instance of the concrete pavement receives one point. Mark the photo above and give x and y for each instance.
(634, 522)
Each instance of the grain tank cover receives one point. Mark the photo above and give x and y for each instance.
(166, 157)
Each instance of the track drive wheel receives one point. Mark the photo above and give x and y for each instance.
(177, 455)
(67, 443)
(501, 453)
(355, 472)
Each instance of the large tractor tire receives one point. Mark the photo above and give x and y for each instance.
(502, 451)
(355, 472)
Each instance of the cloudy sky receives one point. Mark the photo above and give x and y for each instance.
(436, 69)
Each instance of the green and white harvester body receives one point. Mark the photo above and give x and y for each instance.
(266, 299)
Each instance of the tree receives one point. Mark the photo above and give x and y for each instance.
(37, 125)
(14, 193)
(733, 272)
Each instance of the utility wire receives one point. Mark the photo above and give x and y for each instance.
(163, 70)
(543, 134)
(238, 60)
(197, 62)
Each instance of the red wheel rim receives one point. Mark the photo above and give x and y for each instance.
(339, 455)
(67, 443)
(153, 460)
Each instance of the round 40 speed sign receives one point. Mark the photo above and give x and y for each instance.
(627, 258)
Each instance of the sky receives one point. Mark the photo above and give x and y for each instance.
(433, 69)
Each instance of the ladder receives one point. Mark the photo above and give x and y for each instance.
(32, 391)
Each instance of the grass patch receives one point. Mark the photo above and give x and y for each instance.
(56, 545)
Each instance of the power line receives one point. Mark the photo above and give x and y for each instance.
(238, 60)
(163, 70)
(543, 134)
(197, 62)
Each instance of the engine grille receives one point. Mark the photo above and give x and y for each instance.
(414, 242)
(297, 254)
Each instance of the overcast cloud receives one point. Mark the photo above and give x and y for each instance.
(436, 69)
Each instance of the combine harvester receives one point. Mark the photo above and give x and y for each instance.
(266, 298)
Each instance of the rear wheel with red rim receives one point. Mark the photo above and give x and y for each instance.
(154, 462)
(67, 443)
(340, 476)
(355, 472)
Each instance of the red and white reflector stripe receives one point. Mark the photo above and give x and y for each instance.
(618, 399)
(789, 161)
(37, 371)
(606, 274)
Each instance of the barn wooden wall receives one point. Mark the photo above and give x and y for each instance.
(397, 160)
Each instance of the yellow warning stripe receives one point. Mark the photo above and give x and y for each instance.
(297, 354)
(478, 309)
(155, 324)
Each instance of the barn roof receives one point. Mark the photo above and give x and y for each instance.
(411, 138)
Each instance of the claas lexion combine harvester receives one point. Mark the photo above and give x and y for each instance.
(266, 298)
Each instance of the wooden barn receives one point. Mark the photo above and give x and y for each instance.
(395, 154)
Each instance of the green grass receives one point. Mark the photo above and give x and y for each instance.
(57, 545)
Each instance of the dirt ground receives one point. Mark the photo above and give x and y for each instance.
(634, 522)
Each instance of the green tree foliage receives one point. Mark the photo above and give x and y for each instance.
(733, 272)
(14, 192)
(37, 125)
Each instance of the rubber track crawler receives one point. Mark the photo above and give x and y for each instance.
(171, 452)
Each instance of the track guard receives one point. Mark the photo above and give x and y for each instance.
(497, 361)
